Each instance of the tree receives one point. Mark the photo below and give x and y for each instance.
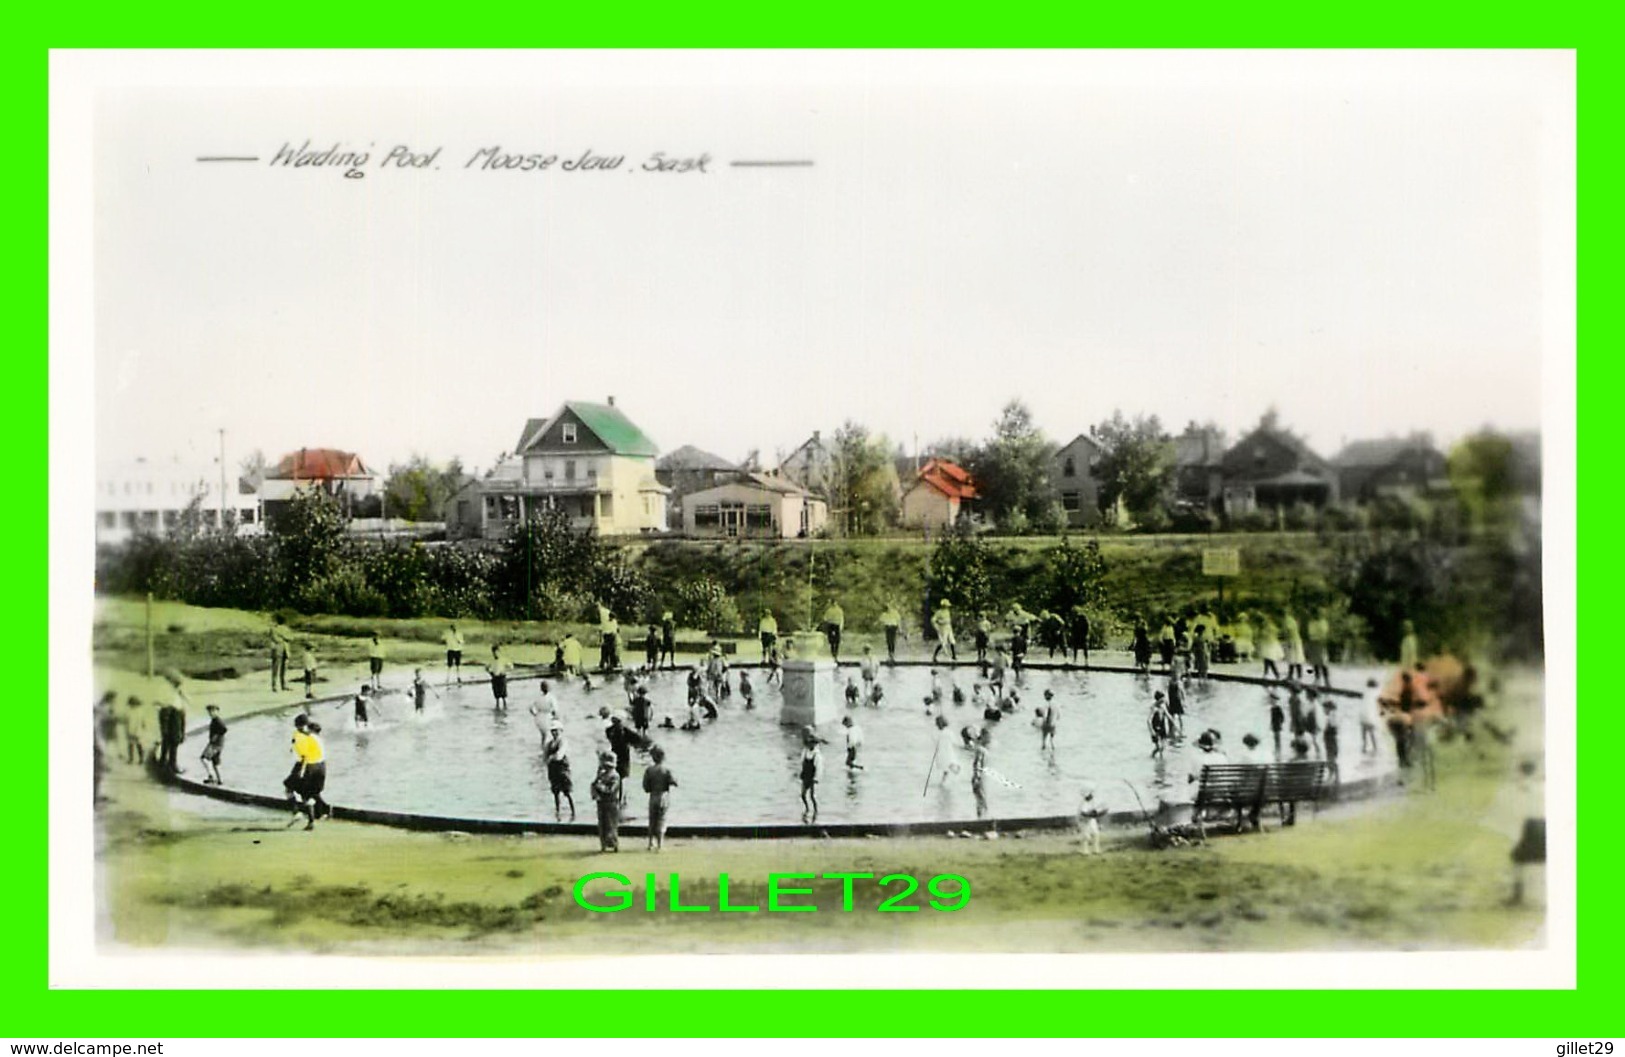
(253, 467)
(959, 573)
(1136, 465)
(863, 482)
(1012, 472)
(1481, 473)
(1074, 577)
(418, 489)
(961, 451)
(309, 536)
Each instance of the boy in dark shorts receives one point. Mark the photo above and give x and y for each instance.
(499, 668)
(375, 662)
(1277, 722)
(454, 653)
(651, 648)
(556, 755)
(217, 743)
(658, 782)
(420, 690)
(812, 766)
(668, 641)
(361, 705)
(642, 709)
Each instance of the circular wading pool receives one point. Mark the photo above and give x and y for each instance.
(460, 759)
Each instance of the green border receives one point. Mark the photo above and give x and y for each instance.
(31, 1009)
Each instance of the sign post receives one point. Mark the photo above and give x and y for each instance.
(1221, 562)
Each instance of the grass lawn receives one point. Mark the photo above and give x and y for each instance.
(1418, 870)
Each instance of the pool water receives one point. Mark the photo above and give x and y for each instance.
(460, 758)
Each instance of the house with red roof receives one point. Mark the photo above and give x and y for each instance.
(589, 461)
(331, 471)
(938, 495)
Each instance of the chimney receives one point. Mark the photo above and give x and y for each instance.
(815, 436)
(612, 400)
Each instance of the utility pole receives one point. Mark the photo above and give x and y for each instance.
(222, 480)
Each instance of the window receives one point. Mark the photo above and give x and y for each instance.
(1071, 502)
(106, 519)
(568, 432)
(1069, 468)
(606, 507)
(758, 516)
(707, 516)
(246, 514)
(129, 519)
(569, 469)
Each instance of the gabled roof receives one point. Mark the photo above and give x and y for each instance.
(1379, 452)
(1199, 447)
(767, 482)
(814, 448)
(534, 427)
(606, 422)
(688, 457)
(1081, 438)
(948, 478)
(775, 483)
(319, 464)
(1280, 436)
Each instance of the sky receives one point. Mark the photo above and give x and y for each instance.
(1353, 238)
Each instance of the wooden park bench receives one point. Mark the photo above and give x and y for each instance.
(1242, 790)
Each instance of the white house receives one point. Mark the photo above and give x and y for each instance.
(588, 460)
(145, 495)
(757, 506)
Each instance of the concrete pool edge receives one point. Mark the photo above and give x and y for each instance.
(1359, 789)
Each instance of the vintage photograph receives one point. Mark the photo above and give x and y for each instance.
(825, 503)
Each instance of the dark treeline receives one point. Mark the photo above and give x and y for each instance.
(1467, 585)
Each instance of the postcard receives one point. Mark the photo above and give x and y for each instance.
(803, 519)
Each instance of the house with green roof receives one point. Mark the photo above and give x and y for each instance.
(588, 460)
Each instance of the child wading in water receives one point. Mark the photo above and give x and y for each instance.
(812, 767)
(1160, 724)
(556, 755)
(420, 690)
(361, 705)
(499, 668)
(658, 782)
(854, 742)
(606, 792)
(307, 661)
(217, 743)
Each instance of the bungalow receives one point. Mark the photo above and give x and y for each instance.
(937, 496)
(589, 461)
(1403, 466)
(754, 506)
(1072, 470)
(1270, 468)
